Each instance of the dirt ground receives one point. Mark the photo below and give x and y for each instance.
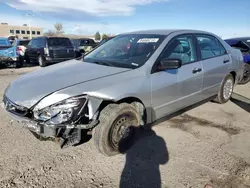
(207, 144)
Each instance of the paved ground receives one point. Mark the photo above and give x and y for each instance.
(208, 144)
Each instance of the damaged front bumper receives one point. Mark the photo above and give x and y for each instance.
(65, 134)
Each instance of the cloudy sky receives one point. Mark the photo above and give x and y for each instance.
(226, 18)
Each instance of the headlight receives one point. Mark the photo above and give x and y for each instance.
(61, 112)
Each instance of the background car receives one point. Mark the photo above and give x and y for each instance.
(21, 46)
(47, 50)
(7, 52)
(243, 44)
(84, 45)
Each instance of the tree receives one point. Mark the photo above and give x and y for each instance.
(97, 36)
(59, 29)
(50, 33)
(104, 36)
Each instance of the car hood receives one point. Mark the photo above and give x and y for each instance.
(30, 88)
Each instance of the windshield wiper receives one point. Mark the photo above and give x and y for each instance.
(102, 63)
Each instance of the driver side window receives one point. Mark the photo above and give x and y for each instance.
(181, 47)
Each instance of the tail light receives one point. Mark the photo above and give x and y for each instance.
(46, 51)
(18, 50)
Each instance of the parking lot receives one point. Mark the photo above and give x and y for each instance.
(206, 144)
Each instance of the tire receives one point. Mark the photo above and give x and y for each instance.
(27, 60)
(226, 90)
(19, 63)
(246, 76)
(108, 135)
(41, 61)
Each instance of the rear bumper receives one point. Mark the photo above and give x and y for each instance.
(4, 59)
(57, 60)
(239, 75)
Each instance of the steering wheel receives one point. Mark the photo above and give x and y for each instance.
(117, 51)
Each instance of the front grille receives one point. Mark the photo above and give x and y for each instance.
(14, 108)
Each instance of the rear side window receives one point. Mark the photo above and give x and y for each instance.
(181, 47)
(23, 42)
(210, 46)
(59, 42)
(247, 41)
(86, 42)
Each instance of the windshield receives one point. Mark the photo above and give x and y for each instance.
(129, 51)
(59, 42)
(4, 42)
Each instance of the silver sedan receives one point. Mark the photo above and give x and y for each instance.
(131, 80)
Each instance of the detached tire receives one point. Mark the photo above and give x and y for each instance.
(226, 90)
(116, 128)
(246, 75)
(41, 61)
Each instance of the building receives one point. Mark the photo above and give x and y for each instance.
(23, 32)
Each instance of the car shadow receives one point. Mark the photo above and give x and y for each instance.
(143, 159)
(241, 101)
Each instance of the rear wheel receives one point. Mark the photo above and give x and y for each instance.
(246, 75)
(19, 62)
(41, 61)
(116, 129)
(226, 90)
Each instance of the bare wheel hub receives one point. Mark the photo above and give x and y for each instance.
(122, 129)
(228, 89)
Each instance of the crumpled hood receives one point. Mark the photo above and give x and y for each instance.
(30, 88)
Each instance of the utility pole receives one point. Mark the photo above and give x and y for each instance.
(30, 15)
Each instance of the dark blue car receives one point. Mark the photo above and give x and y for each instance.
(243, 44)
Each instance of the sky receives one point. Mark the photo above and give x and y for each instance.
(226, 18)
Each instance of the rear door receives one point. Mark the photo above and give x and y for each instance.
(216, 63)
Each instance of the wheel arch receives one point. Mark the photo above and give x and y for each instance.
(138, 104)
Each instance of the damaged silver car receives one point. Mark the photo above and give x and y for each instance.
(130, 81)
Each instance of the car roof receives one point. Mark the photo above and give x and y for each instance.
(166, 31)
(3, 38)
(50, 37)
(239, 38)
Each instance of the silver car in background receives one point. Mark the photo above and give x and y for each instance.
(130, 81)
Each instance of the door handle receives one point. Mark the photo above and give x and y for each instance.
(197, 70)
(226, 61)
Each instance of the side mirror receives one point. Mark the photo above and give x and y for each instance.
(170, 64)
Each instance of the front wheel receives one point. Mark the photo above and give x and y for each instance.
(116, 128)
(226, 90)
(246, 75)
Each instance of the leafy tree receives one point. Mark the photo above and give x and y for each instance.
(97, 36)
(104, 36)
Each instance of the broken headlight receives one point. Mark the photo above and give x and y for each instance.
(61, 112)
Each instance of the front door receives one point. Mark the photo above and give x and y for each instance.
(173, 90)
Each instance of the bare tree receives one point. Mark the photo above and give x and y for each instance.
(50, 33)
(59, 29)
